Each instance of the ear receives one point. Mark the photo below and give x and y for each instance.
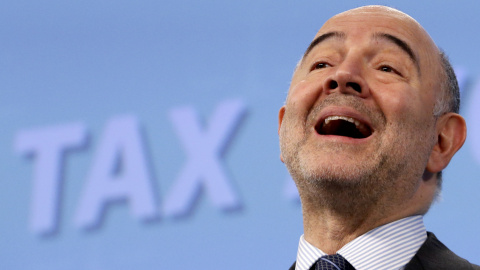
(451, 134)
(281, 113)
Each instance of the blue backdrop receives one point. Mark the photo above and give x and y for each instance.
(143, 134)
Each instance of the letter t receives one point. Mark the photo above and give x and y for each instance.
(48, 147)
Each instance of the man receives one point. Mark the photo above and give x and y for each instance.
(369, 123)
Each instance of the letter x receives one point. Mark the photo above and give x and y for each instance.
(204, 148)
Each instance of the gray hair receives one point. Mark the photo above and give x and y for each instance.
(449, 100)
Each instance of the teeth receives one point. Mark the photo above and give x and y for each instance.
(362, 128)
(357, 123)
(335, 117)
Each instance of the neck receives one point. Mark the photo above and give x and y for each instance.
(330, 222)
(330, 231)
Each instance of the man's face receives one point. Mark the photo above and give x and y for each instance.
(360, 106)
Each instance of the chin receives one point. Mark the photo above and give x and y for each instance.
(344, 166)
(341, 173)
(336, 175)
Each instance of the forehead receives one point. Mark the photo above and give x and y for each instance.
(365, 23)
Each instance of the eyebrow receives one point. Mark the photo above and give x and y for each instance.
(340, 35)
(401, 44)
(319, 39)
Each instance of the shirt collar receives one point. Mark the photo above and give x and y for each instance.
(390, 246)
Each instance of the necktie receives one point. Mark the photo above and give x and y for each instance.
(332, 262)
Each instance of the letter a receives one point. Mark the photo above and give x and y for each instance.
(119, 172)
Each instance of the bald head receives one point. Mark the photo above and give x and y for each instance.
(435, 62)
(406, 32)
(382, 13)
(362, 115)
(360, 131)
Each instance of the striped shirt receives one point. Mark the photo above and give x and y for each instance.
(390, 246)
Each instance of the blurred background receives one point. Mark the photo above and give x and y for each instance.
(143, 134)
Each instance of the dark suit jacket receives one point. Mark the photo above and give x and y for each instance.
(433, 255)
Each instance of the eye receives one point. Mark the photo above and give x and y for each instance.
(320, 65)
(389, 69)
(386, 69)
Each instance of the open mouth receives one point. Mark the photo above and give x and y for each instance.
(343, 126)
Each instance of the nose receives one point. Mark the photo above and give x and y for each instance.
(347, 79)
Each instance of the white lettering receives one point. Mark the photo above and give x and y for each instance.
(48, 145)
(119, 172)
(204, 148)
